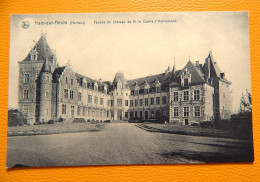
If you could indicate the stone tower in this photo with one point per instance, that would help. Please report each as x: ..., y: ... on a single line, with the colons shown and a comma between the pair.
x: 30, y: 69
x: 45, y: 85
x: 120, y: 97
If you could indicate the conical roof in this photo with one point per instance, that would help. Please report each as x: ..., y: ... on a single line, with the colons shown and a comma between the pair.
x: 46, y: 66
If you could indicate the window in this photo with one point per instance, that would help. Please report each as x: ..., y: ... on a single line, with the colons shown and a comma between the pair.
x: 146, y: 101
x: 108, y: 102
x: 96, y: 100
x: 84, y: 111
x: 46, y: 94
x: 79, y: 96
x: 48, y: 78
x: 186, y: 81
x: 141, y: 114
x: 176, y: 112
x: 175, y: 96
x: 101, y: 101
x: 131, y: 114
x: 157, y: 100
x: 66, y: 79
x: 152, y: 114
x: 112, y: 103
x: 126, y: 102
x: 46, y: 111
x: 63, y: 109
x: 136, y: 102
x: 224, y: 95
x: 141, y: 102
x: 126, y: 114
x: 152, y: 101
x: 119, y: 102
x: 158, y: 113
x: 72, y: 109
x: 71, y: 81
x: 79, y: 110
x: 186, y: 111
x: 26, y: 94
x: 25, y: 109
x: 164, y: 100
x: 186, y: 95
x: 197, y: 111
x: 131, y: 103
x: 196, y: 94
x: 126, y: 94
x: 89, y: 98
x: 71, y: 94
x: 66, y: 93
x: 158, y: 89
x: 26, y: 78
x: 164, y: 113
x: 136, y: 114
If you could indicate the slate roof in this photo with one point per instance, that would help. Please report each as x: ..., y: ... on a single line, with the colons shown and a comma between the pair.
x: 196, y: 75
x: 43, y: 50
x: 57, y: 72
x: 151, y: 80
x: 215, y: 65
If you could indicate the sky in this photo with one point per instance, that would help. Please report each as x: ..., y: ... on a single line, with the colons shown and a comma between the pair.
x: 139, y: 47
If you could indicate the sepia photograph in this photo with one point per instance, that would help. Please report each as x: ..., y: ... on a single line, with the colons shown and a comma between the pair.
x: 129, y: 88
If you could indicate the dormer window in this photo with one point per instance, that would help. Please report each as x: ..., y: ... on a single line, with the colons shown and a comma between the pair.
x: 186, y: 82
x: 136, y: 89
x: 146, y: 87
x: 84, y: 80
x: 119, y: 85
x: 157, y: 85
x: 96, y: 86
x: 33, y: 54
x: 185, y: 78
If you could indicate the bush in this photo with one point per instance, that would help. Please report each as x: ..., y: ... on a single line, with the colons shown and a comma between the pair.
x: 135, y: 120
x: 107, y: 121
x: 88, y: 120
x: 79, y: 120
x: 51, y: 121
x: 16, y: 118
x: 207, y: 124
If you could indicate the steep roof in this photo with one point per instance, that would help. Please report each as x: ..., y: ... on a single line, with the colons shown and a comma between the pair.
x: 196, y: 75
x: 43, y: 50
x: 151, y: 80
x: 214, y: 64
x: 120, y: 77
x: 57, y: 72
x: 90, y: 81
x: 46, y: 66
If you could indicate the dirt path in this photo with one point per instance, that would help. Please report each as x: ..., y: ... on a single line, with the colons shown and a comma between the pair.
x: 118, y: 143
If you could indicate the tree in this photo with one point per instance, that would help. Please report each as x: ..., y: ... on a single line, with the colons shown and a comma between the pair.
x: 245, y: 103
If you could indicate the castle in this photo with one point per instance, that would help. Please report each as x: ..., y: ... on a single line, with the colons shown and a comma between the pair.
x: 193, y: 94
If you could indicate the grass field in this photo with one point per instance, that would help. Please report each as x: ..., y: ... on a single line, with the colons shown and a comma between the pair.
x: 197, y: 131
x: 56, y: 128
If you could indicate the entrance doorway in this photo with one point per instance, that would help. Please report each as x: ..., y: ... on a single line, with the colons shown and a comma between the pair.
x: 146, y: 114
x: 119, y: 114
x: 186, y: 121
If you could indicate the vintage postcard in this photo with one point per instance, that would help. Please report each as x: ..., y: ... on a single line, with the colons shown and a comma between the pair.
x: 129, y: 88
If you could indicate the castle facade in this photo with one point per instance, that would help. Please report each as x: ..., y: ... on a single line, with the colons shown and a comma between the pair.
x: 193, y: 94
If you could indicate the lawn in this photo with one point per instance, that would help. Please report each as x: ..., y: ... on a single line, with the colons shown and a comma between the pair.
x: 196, y: 131
x: 56, y: 128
